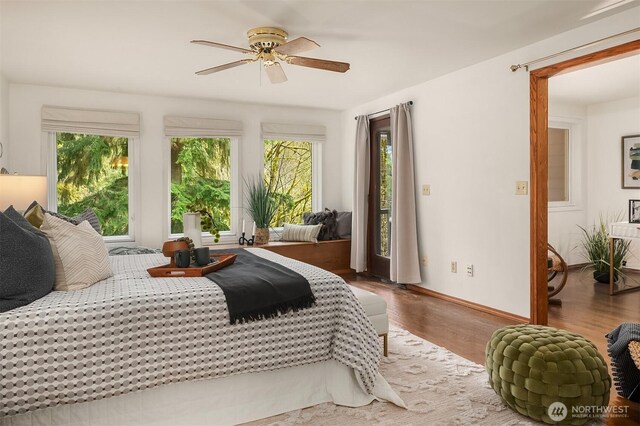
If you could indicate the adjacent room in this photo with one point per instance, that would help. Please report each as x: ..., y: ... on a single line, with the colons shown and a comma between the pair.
x: 319, y: 212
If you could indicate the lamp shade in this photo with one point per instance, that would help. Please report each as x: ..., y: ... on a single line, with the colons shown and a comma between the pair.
x: 20, y: 191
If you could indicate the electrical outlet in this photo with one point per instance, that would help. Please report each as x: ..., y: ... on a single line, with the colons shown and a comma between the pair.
x: 424, y: 260
x: 426, y: 189
x: 522, y: 187
x: 469, y: 270
x: 454, y: 266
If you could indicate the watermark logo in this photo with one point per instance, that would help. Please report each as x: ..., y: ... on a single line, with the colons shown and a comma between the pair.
x: 557, y: 411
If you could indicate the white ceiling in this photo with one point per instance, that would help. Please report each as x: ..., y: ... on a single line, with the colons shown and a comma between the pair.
x: 143, y: 46
x: 606, y: 82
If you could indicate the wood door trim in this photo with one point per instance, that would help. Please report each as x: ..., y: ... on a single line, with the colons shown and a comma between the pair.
x: 539, y: 167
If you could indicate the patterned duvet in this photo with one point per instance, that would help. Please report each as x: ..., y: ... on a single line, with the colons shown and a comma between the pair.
x: 132, y: 332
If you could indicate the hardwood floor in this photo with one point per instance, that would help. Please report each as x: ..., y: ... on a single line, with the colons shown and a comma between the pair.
x: 587, y: 309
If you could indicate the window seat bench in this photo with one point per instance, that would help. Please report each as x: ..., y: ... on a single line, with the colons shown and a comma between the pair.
x: 332, y: 255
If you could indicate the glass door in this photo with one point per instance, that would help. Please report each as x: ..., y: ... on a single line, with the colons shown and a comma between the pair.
x: 380, y: 214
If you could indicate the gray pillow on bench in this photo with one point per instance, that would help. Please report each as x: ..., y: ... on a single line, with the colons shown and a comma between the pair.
x: 27, y: 269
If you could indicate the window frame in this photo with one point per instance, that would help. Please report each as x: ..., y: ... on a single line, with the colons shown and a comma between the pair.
x: 573, y: 157
x: 133, y: 177
x: 316, y: 172
x: 226, y: 237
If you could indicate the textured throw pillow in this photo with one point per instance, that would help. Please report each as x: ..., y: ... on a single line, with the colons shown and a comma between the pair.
x: 344, y: 224
x: 80, y: 253
x: 301, y: 232
x: 89, y: 215
x: 34, y: 214
x: 327, y: 219
x: 26, y: 262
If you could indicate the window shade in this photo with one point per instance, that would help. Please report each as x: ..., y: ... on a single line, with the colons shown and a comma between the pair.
x: 293, y: 132
x: 94, y: 122
x: 191, y: 126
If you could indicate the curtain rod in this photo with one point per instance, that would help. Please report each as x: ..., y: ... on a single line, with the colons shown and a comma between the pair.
x: 382, y: 110
x: 515, y: 68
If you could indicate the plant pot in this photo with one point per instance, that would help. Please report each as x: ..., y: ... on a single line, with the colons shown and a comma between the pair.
x: 262, y: 236
x: 603, y: 276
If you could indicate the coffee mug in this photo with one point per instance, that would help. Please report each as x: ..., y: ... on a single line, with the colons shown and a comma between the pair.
x: 202, y: 256
x: 183, y: 258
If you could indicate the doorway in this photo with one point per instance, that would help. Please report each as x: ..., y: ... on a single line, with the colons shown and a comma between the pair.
x: 380, y: 214
x: 539, y: 167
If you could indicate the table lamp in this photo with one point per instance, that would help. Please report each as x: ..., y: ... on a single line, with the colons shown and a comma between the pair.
x: 20, y: 191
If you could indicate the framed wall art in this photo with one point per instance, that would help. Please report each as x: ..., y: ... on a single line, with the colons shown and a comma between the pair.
x: 634, y: 211
x: 631, y: 161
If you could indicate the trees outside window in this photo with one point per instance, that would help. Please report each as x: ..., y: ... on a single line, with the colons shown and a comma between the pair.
x: 93, y: 172
x: 201, y: 179
x: 288, y: 174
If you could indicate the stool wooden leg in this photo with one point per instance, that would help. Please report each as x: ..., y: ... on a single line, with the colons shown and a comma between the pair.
x: 385, y: 344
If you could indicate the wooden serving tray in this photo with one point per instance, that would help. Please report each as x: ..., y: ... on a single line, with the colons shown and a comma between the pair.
x: 219, y: 261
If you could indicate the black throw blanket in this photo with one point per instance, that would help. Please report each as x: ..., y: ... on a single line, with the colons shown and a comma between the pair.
x: 625, y: 371
x: 256, y: 288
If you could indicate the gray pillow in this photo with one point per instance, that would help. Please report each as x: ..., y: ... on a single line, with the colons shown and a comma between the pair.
x: 344, y: 224
x: 27, y: 270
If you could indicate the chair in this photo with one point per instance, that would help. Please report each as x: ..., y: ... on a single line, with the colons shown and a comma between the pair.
x: 556, y: 265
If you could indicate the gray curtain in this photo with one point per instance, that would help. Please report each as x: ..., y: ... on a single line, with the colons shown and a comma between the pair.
x: 405, y: 264
x: 360, y: 196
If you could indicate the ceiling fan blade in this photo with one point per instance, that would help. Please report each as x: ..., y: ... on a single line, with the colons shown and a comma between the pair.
x: 224, y: 67
x: 301, y: 44
x: 275, y: 73
x: 221, y: 46
x: 318, y: 63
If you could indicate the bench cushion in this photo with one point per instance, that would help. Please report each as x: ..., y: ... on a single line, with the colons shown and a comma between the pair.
x: 372, y: 303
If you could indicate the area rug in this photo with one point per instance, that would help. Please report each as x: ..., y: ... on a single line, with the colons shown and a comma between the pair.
x: 438, y: 386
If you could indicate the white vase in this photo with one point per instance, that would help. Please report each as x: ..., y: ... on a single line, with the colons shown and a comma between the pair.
x: 192, y: 228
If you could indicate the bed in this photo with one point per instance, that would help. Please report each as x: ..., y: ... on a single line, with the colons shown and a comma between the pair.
x: 139, y: 350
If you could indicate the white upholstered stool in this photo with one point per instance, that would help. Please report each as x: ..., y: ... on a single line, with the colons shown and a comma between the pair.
x: 376, y: 309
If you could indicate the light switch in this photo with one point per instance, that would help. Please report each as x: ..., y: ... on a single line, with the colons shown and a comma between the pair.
x: 522, y: 187
x: 426, y: 189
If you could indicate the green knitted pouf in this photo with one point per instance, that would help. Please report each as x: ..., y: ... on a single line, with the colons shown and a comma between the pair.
x: 532, y: 368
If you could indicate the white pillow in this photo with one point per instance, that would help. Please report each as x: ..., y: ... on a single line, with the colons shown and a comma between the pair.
x: 79, y: 252
x: 301, y: 232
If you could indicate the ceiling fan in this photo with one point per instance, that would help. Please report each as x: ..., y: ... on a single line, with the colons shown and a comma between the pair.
x: 270, y: 46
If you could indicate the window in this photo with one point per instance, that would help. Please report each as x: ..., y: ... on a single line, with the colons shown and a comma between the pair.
x: 92, y: 171
x: 292, y: 169
x: 201, y: 179
x: 91, y: 164
x: 288, y: 173
x: 558, y: 179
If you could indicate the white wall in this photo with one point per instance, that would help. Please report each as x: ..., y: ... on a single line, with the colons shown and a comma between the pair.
x: 607, y: 123
x: 4, y: 112
x: 604, y: 124
x: 4, y: 120
x: 27, y: 153
x: 564, y: 234
x: 471, y: 132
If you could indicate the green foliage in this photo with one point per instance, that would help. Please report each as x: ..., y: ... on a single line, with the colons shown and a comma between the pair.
x: 110, y: 204
x: 595, y: 246
x: 93, y: 173
x: 288, y: 176
x: 261, y: 203
x: 200, y: 181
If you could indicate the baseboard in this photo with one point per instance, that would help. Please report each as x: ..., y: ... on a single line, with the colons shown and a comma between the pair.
x: 467, y: 304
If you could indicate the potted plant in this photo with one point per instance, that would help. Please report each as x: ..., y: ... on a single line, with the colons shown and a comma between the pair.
x: 261, y: 206
x: 595, y: 249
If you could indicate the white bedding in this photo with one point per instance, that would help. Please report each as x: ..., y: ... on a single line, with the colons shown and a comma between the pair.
x: 132, y: 332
